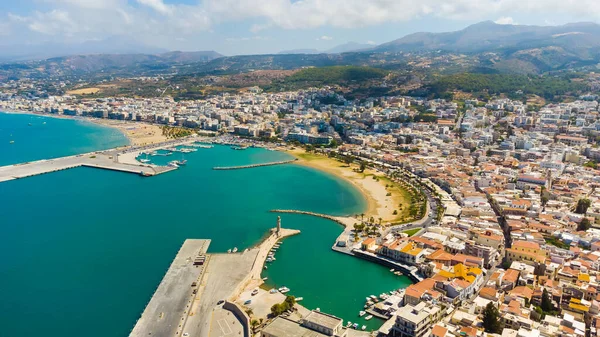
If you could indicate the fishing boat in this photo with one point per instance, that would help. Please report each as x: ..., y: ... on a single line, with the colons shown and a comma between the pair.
x: 361, y: 313
x: 368, y: 317
x: 234, y: 250
x: 363, y: 328
x: 284, y: 290
x: 373, y: 297
x: 349, y: 324
x: 229, y: 251
x: 269, y: 259
x: 355, y: 326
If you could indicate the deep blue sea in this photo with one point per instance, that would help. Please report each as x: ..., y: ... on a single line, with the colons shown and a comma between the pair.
x: 82, y: 250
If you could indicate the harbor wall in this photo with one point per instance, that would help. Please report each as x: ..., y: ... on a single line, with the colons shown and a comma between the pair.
x: 254, y: 165
x: 390, y: 264
x: 240, y: 314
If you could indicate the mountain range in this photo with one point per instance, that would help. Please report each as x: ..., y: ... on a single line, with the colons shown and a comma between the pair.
x: 484, y: 46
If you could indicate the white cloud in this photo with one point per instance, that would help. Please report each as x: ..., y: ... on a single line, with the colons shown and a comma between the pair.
x: 505, y: 20
x: 324, y: 38
x: 157, y: 5
x: 154, y: 20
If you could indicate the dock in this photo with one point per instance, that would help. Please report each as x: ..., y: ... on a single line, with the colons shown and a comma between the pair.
x: 166, y: 312
x: 121, y: 160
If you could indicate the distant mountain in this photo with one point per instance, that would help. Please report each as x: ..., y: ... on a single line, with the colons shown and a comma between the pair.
x: 349, y: 47
x: 489, y: 36
x: 299, y: 51
x: 112, y: 45
x: 520, y: 48
x: 343, y: 48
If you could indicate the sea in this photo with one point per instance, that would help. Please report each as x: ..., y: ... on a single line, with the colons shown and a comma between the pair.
x: 82, y: 250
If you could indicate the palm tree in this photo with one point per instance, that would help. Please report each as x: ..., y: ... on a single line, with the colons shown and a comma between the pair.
x: 362, y: 215
x: 380, y: 222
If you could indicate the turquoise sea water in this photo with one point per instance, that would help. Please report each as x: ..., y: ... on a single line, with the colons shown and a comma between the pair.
x: 82, y: 250
x: 49, y: 137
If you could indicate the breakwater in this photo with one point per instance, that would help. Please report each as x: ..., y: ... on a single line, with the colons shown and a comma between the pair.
x: 254, y: 165
x: 344, y: 221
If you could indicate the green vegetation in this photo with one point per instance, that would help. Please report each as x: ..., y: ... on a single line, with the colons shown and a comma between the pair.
x: 582, y: 206
x: 412, y: 232
x: 176, y: 132
x: 484, y: 85
x: 546, y: 307
x: 280, y: 308
x: 584, y: 225
x: 334, y: 75
x: 591, y: 164
x: 556, y: 242
x: 491, y: 319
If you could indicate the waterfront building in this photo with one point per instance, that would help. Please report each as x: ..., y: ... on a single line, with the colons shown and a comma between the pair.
x: 415, y: 321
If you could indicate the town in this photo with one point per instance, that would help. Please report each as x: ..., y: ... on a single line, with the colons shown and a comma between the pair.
x: 511, y: 245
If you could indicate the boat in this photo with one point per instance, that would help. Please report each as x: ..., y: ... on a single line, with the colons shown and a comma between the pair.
x: 44, y: 123
x: 181, y: 162
x: 363, y: 328
x: 265, y: 278
x: 299, y: 299
x: 368, y: 317
x: 145, y: 160
x: 234, y: 250
x: 373, y: 297
x: 284, y: 290
x: 355, y: 326
x: 273, y: 291
x: 228, y: 251
x: 173, y: 163
x: 269, y: 259
x: 145, y: 174
x: 361, y: 313
x: 12, y: 142
x: 349, y: 324
x: 254, y: 292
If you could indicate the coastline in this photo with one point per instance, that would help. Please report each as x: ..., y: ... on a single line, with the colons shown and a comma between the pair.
x: 374, y: 191
x: 137, y: 133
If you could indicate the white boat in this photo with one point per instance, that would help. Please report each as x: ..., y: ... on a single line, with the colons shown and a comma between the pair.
x: 269, y: 259
x: 265, y: 278
x: 173, y: 164
x: 392, y: 270
x: 299, y: 299
x: 361, y: 313
x: 368, y: 317
x: 373, y: 297
x: 234, y: 250
x: 349, y: 324
x: 284, y: 290
x: 228, y: 251
x: 363, y: 328
x: 144, y: 161
x: 355, y: 326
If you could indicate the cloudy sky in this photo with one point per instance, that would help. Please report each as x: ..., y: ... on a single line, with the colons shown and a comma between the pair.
x: 265, y: 26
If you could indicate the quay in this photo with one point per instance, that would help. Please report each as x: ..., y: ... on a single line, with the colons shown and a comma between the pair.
x: 254, y: 165
x: 188, y: 299
x: 171, y: 302
x: 121, y: 159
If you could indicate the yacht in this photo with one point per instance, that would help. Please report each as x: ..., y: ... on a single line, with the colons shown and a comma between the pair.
x: 368, y: 317
x: 361, y: 313
x: 173, y: 163
x: 284, y: 290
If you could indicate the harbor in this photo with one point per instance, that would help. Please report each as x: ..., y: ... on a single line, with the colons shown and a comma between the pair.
x: 121, y: 160
x: 199, y: 290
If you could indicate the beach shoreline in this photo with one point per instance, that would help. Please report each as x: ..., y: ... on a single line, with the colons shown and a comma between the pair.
x: 379, y: 203
x: 148, y: 134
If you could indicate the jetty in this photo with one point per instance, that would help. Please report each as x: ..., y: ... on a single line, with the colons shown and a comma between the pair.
x: 196, y: 295
x: 347, y: 222
x: 121, y: 160
x: 255, y: 165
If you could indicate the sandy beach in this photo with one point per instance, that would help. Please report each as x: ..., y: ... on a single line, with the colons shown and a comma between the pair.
x: 380, y: 204
x: 138, y: 133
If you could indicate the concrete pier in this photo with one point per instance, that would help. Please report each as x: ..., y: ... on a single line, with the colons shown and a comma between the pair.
x: 168, y: 309
x: 254, y: 165
x: 122, y: 160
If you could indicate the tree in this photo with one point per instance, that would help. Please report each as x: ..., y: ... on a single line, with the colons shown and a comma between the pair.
x: 546, y: 304
x: 584, y: 225
x: 254, y: 323
x: 363, y: 165
x: 348, y: 160
x: 582, y: 206
x: 491, y: 319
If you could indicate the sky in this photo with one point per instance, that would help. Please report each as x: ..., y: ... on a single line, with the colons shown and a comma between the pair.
x: 235, y: 27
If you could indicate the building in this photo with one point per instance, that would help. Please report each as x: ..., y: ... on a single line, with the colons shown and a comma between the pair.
x: 315, y: 324
x: 307, y: 138
x: 415, y: 321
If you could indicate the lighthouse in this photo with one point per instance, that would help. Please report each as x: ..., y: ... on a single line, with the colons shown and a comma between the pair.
x: 278, y: 225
